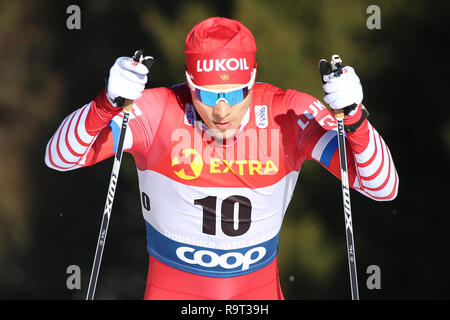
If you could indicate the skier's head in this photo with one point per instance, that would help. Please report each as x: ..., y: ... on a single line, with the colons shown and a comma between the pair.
x: 220, y: 71
x: 220, y: 51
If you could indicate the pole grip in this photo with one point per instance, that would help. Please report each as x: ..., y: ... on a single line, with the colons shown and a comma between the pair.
x: 138, y: 56
x: 335, y: 65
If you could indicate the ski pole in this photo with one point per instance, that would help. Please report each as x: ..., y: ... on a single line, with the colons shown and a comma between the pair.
x: 127, y: 107
x: 326, y: 68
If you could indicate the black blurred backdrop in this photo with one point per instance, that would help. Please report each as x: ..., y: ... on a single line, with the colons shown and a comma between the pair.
x: 50, y: 220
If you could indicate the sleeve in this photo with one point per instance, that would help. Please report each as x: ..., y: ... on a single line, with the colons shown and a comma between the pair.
x: 90, y: 134
x: 371, y: 169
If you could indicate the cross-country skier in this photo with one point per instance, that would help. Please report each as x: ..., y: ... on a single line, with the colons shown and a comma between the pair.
x: 218, y: 159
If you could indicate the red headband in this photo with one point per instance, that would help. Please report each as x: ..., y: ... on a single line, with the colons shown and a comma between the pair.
x: 220, y: 51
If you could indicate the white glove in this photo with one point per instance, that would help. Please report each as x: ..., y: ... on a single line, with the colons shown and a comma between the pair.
x: 342, y: 90
x: 127, y: 79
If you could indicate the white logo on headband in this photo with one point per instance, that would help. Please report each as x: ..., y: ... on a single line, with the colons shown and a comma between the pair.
x: 231, y: 64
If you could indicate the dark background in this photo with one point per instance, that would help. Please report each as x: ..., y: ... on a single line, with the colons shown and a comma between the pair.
x: 50, y: 220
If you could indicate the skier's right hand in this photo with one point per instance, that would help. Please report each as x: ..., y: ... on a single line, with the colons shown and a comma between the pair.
x: 127, y: 79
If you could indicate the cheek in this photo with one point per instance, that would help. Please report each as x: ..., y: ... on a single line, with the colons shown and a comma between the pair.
x: 204, y: 112
x: 241, y: 108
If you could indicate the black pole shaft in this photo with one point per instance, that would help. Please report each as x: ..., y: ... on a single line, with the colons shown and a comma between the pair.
x: 108, y: 208
x: 326, y: 68
x: 347, y: 212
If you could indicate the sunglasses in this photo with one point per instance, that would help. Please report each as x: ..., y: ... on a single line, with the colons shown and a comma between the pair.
x: 211, y: 97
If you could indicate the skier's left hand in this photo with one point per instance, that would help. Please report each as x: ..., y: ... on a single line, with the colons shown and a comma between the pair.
x: 342, y: 90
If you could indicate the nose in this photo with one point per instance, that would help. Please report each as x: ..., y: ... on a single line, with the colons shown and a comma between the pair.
x: 221, y: 110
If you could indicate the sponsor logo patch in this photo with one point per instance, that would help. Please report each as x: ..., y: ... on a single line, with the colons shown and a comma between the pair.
x: 261, y: 117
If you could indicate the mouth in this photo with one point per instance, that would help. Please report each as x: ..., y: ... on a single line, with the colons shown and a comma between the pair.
x: 222, y: 125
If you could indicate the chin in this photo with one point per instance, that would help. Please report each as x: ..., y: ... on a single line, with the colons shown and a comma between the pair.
x: 223, y: 135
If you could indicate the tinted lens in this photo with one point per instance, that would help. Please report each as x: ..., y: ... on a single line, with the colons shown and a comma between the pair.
x: 234, y: 97
x: 206, y: 97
